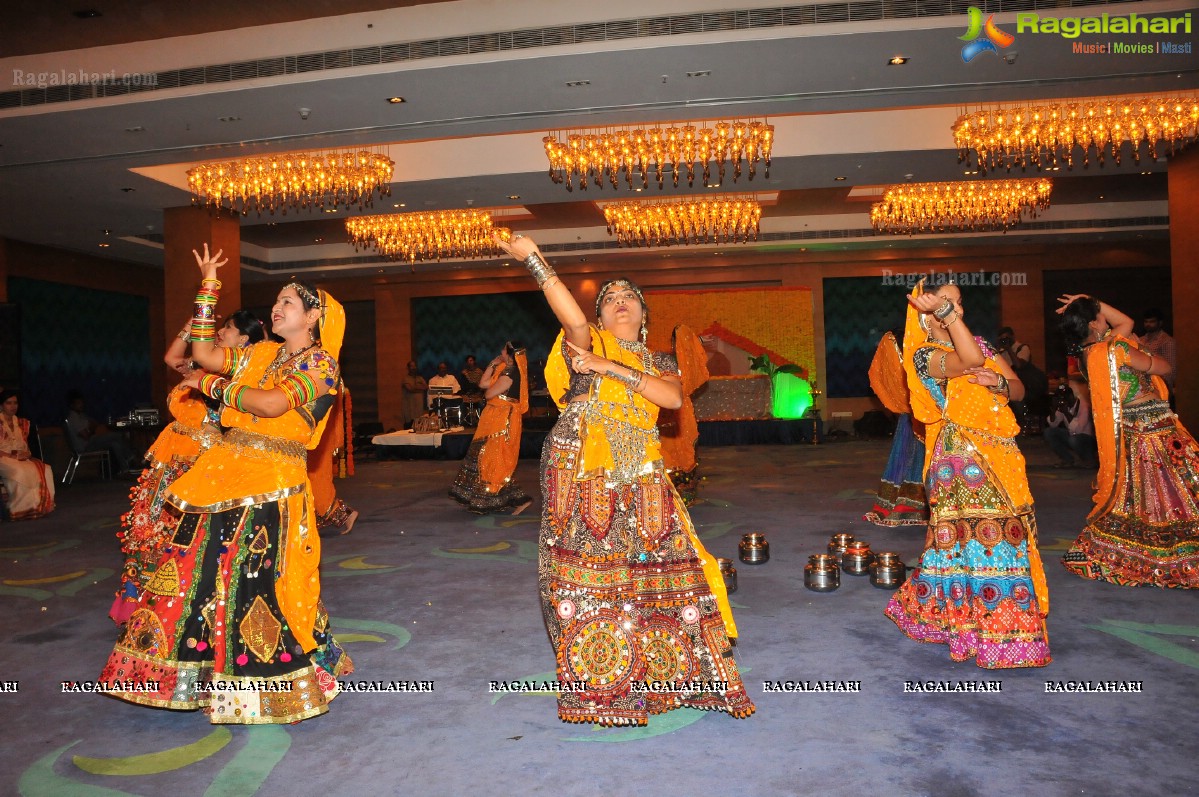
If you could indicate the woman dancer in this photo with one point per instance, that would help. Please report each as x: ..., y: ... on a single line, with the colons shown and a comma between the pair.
x: 900, y: 500
x: 29, y: 481
x: 196, y: 426
x: 628, y: 594
x: 678, y: 429
x: 484, y: 483
x: 980, y: 588
x: 232, y: 622
x: 1144, y: 529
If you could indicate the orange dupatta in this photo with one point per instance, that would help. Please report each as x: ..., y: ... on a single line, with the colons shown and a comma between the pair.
x: 502, y: 430
x: 1103, y: 362
x: 678, y: 429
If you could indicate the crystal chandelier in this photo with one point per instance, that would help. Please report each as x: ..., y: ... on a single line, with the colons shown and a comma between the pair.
x: 1046, y: 135
x: 600, y: 155
x: 684, y: 221
x: 913, y: 208
x: 297, y: 180
x: 427, y: 236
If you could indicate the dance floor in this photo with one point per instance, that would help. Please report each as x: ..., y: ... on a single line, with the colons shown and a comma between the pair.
x: 424, y: 591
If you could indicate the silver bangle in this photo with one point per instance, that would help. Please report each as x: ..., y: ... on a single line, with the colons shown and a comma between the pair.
x: 630, y: 380
x: 540, y: 269
x: 943, y: 312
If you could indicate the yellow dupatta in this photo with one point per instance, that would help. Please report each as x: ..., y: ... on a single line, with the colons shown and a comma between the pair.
x: 1107, y: 403
x: 630, y: 417
x: 983, y: 419
x: 612, y: 412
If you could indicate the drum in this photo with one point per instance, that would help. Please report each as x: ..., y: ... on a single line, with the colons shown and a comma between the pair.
x: 449, y: 410
x: 472, y: 410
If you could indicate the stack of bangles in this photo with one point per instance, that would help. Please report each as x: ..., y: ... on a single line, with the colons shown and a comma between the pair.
x: 1001, y: 387
x: 203, y: 327
x: 944, y: 312
x: 220, y: 388
x: 541, y: 271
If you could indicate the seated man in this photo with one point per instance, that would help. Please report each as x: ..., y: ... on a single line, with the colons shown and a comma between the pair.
x: 84, y: 435
x: 443, y: 379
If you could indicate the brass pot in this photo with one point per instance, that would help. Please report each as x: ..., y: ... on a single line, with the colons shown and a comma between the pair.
x: 857, y: 558
x: 888, y: 571
x: 821, y: 574
x: 838, y: 544
x: 753, y: 548
x: 729, y: 574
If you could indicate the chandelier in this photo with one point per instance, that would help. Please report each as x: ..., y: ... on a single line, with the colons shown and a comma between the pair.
x: 913, y: 208
x: 1045, y: 135
x: 427, y: 236
x: 297, y: 180
x: 600, y: 155
x: 685, y: 221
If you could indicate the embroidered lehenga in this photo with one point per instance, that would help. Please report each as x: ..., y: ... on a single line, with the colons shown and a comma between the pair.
x: 900, y: 500
x: 1144, y: 528
x: 484, y: 482
x: 980, y: 587
x: 235, y: 597
x: 145, y: 528
x: 678, y: 429
x: 29, y: 482
x: 629, y: 595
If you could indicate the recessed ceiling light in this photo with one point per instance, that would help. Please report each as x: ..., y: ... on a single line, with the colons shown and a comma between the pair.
x: 574, y: 84
x: 128, y: 190
x: 514, y: 196
x: 700, y: 73
x: 898, y: 60
x: 394, y: 100
x: 228, y: 118
x: 104, y: 246
x: 638, y: 189
x: 87, y: 13
x: 839, y: 179
x: 400, y: 205
x: 317, y: 240
x: 135, y: 129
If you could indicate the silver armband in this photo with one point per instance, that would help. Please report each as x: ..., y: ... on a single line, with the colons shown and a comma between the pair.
x: 540, y: 269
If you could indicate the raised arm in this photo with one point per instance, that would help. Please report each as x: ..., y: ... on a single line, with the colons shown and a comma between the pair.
x: 203, y: 326
x: 966, y: 354
x: 566, y: 309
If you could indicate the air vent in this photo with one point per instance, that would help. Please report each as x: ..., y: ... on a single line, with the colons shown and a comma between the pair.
x: 616, y: 30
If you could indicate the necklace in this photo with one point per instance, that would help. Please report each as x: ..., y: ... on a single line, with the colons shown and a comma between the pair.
x: 281, y: 361
x: 639, y: 348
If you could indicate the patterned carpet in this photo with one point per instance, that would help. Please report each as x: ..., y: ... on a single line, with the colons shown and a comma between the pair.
x: 424, y: 591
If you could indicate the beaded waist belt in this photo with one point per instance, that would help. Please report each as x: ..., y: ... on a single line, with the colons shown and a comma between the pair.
x: 255, y: 444
x: 1152, y: 410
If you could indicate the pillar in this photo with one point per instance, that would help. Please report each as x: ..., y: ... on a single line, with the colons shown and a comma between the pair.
x: 1184, y: 279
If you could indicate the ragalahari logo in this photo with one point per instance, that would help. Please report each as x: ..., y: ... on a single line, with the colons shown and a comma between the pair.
x: 980, y: 37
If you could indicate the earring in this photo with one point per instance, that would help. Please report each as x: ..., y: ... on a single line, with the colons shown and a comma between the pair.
x: 311, y: 337
x: 644, y: 334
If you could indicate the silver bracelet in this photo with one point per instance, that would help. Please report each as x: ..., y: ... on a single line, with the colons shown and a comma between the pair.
x: 630, y: 380
x: 540, y: 269
x: 943, y: 312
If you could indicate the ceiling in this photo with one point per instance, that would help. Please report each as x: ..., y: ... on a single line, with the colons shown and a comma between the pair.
x: 484, y: 81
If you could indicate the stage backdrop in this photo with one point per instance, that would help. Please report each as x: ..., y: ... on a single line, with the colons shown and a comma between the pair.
x: 451, y: 327
x: 858, y: 310
x: 97, y: 342
x: 774, y: 321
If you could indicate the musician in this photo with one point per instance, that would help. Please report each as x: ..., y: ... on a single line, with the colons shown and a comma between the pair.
x: 443, y: 379
x: 471, y: 375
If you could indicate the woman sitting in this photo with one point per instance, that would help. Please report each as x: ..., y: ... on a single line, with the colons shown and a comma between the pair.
x: 29, y: 482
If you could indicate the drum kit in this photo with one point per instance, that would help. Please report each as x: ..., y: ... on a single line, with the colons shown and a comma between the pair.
x: 456, y: 410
